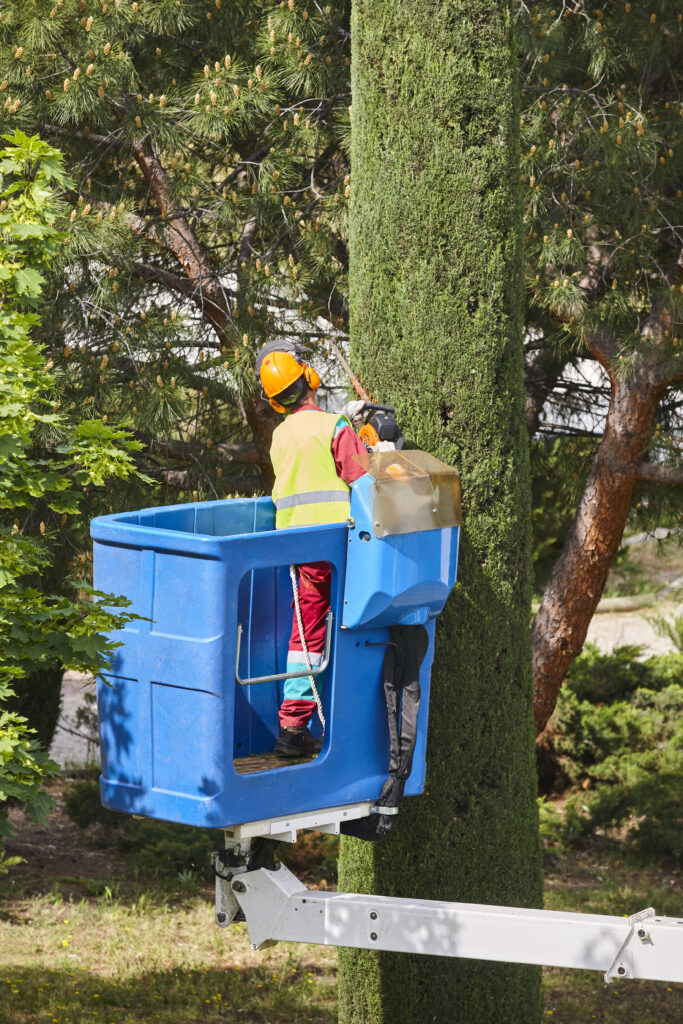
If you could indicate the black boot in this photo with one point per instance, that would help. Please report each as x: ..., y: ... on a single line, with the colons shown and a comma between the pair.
x: 295, y: 740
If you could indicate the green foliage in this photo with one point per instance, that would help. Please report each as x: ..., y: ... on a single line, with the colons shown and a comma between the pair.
x: 247, y: 116
x: 23, y: 767
x: 617, y: 733
x: 559, y: 468
x: 604, y: 678
x: 601, y: 130
x: 672, y: 629
x: 600, y: 121
x: 39, y: 630
x: 241, y: 109
x: 154, y: 849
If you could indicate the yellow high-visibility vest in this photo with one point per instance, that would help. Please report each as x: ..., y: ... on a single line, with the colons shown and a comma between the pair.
x: 307, y: 490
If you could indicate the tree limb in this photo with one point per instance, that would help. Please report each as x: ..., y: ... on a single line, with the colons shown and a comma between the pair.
x: 186, y: 480
x: 246, y: 244
x: 542, y: 369
x: 182, y: 285
x: 178, y: 236
x: 228, y: 451
x: 658, y: 473
x: 580, y: 573
x: 605, y: 349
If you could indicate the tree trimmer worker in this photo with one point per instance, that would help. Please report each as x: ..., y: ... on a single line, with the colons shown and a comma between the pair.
x: 313, y: 457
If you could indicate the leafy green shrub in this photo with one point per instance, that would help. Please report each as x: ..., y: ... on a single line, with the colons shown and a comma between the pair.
x: 83, y: 805
x: 600, y: 677
x: 641, y: 793
x: 48, y: 459
x: 159, y: 849
x: 154, y: 849
x: 617, y: 743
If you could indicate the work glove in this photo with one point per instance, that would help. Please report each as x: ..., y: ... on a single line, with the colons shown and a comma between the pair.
x: 354, y: 411
x: 384, y: 446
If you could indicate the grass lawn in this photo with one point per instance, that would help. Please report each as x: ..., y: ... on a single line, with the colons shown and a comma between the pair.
x: 114, y: 960
x: 83, y: 940
x: 599, y: 882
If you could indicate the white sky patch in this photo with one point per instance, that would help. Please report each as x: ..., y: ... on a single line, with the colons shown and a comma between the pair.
x: 579, y: 401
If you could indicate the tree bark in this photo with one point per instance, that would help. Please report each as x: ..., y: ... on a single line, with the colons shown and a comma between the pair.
x: 580, y: 573
x: 661, y: 474
x: 436, y: 305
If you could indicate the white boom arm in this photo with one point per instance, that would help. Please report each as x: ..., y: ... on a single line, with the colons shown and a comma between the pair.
x: 277, y: 906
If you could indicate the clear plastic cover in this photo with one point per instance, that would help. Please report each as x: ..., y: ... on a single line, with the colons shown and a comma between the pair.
x: 414, y: 491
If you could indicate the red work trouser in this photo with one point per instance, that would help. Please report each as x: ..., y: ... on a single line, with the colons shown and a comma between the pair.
x: 314, y: 601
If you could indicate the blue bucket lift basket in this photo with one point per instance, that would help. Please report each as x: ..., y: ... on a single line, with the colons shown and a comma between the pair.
x: 177, y: 728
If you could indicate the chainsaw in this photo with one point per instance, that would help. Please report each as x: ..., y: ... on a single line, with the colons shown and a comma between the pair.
x: 379, y: 421
x: 379, y: 424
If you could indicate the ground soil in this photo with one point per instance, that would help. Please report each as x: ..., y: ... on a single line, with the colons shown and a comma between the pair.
x: 59, y: 851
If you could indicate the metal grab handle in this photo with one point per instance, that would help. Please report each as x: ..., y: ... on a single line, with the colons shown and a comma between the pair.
x: 315, y: 671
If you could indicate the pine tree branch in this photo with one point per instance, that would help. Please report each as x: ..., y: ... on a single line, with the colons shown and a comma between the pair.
x: 138, y: 225
x: 210, y: 297
x: 246, y: 243
x: 177, y: 234
x: 176, y: 283
x: 186, y: 480
x: 112, y: 140
x: 604, y: 349
x: 657, y: 473
x: 228, y: 451
x: 255, y: 157
x: 247, y: 451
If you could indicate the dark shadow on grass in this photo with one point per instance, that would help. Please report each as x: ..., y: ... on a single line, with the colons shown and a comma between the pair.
x: 253, y: 995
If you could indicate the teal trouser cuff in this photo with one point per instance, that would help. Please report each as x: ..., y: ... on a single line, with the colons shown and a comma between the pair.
x: 300, y: 688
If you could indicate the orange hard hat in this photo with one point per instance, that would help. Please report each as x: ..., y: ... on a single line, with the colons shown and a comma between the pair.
x: 278, y: 371
x: 285, y: 377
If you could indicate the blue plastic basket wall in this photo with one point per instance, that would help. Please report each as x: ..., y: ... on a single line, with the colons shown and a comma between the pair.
x: 176, y: 727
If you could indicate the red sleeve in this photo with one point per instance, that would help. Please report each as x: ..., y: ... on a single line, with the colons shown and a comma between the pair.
x: 346, y: 444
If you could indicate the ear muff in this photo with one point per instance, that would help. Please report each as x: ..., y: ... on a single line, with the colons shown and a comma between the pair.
x: 312, y: 377
x: 289, y: 398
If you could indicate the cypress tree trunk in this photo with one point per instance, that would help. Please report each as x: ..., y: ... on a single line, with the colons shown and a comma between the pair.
x: 436, y: 299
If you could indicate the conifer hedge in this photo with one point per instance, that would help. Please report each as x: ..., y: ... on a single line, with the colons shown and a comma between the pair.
x: 436, y: 305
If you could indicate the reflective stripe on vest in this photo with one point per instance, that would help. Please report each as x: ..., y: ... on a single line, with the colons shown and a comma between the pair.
x: 307, y: 489
x: 310, y: 498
